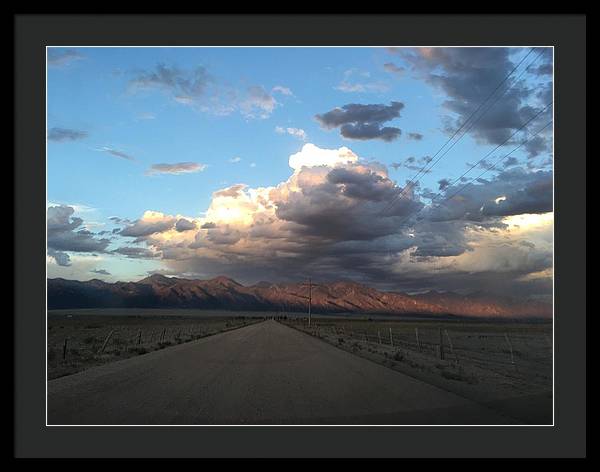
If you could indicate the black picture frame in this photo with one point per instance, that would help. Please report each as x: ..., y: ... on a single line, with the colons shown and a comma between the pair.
x: 567, y: 33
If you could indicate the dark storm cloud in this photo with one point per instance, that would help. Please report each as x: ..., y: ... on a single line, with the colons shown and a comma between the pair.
x: 329, y: 220
x: 468, y: 76
x: 142, y: 228
x: 512, y: 192
x: 65, y: 134
x: 61, y: 258
x: 64, y: 236
x: 184, y: 225
x: 443, y: 183
x: 100, y: 271
x: 363, y: 122
x: 415, y: 136
x: 344, y: 206
x: 135, y: 252
x: 510, y: 162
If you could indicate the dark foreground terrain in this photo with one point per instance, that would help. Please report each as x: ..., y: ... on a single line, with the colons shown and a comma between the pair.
x: 264, y: 373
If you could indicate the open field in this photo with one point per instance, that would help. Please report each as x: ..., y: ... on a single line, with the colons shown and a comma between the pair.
x: 488, y: 362
x: 127, y: 333
x: 504, y: 366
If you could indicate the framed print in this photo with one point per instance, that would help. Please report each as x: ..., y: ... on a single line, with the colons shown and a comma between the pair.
x: 290, y: 238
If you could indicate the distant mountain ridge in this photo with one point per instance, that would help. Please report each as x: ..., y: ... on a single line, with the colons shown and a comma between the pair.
x: 223, y: 293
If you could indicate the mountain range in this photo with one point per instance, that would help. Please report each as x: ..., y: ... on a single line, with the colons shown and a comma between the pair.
x: 222, y: 293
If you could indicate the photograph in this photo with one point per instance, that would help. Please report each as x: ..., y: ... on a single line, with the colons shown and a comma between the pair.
x: 299, y: 235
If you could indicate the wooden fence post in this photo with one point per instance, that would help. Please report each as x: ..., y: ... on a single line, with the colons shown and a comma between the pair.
x: 512, y: 359
x: 417, y: 336
x: 451, y: 347
x: 441, y: 345
x: 65, y: 349
x: 106, y: 341
x: 391, y: 338
x: 139, y: 341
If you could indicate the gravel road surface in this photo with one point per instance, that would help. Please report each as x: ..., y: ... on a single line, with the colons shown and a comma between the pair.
x: 265, y: 373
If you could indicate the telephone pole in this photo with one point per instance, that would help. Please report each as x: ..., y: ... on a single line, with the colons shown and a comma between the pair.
x: 309, y: 300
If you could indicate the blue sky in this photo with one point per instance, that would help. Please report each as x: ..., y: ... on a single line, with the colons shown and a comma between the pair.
x: 237, y: 114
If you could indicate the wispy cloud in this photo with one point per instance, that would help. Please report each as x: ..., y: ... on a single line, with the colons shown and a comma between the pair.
x: 282, y: 90
x: 235, y: 160
x: 65, y: 134
x: 394, y: 69
x: 349, y: 85
x: 198, y: 89
x: 296, y: 132
x: 415, y: 136
x: 257, y: 103
x: 63, y: 57
x: 176, y: 168
x: 116, y: 153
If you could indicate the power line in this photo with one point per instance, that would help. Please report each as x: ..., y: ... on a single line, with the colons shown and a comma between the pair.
x: 425, y: 168
x: 488, y: 108
x: 487, y: 169
x: 496, y: 162
x: 500, y: 145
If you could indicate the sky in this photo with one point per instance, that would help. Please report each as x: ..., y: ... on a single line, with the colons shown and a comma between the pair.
x: 408, y: 169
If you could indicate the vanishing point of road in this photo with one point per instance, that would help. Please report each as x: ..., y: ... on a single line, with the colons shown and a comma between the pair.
x: 265, y: 373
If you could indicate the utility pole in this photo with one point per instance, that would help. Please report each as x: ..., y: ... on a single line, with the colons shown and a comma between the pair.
x: 309, y: 299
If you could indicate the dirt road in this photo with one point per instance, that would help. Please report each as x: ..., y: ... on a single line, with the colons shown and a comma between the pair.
x: 265, y: 373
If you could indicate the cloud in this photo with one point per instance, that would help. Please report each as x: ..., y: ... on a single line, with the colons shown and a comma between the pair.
x: 467, y: 76
x: 327, y: 221
x: 135, y: 252
x: 415, y: 136
x: 200, y: 90
x: 512, y: 192
x: 443, y: 184
x: 65, y: 134
x: 100, y: 271
x: 363, y: 122
x: 65, y: 234
x: 415, y: 164
x: 62, y: 57
x: 282, y: 90
x: 61, y: 258
x: 184, y: 86
x: 184, y: 225
x: 312, y: 156
x: 394, y: 69
x: 235, y: 160
x: 116, y: 153
x: 296, y: 132
x: 151, y: 222
x: 257, y: 103
x: 350, y: 86
x: 176, y: 168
